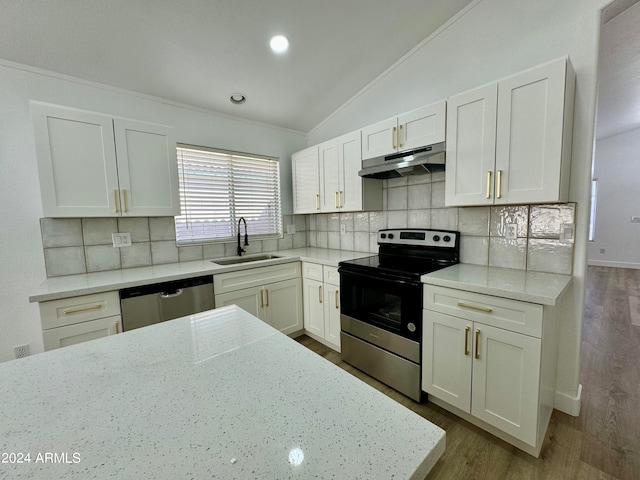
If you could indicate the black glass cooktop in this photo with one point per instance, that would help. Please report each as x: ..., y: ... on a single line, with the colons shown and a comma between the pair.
x: 395, y: 265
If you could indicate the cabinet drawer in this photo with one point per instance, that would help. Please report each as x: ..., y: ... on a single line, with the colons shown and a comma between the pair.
x: 513, y: 315
x: 312, y: 271
x: 254, y: 277
x: 81, y: 332
x: 68, y: 311
x: 331, y: 275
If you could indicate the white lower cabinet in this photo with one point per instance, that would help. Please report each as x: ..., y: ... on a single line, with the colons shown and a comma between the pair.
x: 273, y: 294
x: 321, y: 286
x: 477, y: 362
x: 69, y: 321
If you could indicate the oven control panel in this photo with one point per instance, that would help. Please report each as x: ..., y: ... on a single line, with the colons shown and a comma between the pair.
x: 422, y: 237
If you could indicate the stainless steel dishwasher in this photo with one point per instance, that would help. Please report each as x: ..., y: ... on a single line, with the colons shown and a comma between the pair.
x: 149, y: 304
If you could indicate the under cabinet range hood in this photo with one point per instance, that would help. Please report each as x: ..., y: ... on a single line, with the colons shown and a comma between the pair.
x: 428, y: 159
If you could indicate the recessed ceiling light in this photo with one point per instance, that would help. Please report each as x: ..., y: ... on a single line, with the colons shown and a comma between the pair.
x: 238, y: 98
x: 279, y: 43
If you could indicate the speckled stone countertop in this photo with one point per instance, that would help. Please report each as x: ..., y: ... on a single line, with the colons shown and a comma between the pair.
x: 218, y: 395
x: 534, y: 287
x: 87, y: 283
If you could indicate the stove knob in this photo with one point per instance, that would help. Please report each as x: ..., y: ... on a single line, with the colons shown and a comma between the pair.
x: 390, y: 235
x: 411, y: 327
x: 383, y: 235
x: 447, y: 238
x: 436, y: 238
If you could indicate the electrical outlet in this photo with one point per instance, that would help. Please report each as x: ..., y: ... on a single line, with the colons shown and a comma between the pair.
x: 121, y: 239
x: 602, y: 250
x: 21, y: 351
x: 511, y: 232
x: 343, y: 229
x: 635, y: 219
x: 567, y: 232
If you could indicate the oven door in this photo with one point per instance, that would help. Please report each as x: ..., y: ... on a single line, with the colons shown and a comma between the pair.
x: 390, y: 303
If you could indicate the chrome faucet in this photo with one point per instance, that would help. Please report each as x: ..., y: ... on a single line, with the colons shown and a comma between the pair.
x: 246, y: 237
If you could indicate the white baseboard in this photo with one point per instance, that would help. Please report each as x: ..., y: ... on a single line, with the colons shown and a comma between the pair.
x: 567, y: 403
x: 602, y: 263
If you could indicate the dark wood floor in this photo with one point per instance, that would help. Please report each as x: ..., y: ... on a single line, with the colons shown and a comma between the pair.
x: 603, y: 443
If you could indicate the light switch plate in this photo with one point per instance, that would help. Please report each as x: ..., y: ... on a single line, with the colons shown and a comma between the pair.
x: 343, y: 229
x: 635, y: 219
x: 511, y: 233
x: 121, y: 239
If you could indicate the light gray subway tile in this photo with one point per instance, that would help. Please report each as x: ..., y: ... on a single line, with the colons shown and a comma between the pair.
x: 322, y: 222
x: 162, y: 228
x: 285, y: 243
x: 418, y: 179
x: 551, y: 256
x: 508, y: 253
x: 231, y: 249
x: 311, y: 222
x: 397, y: 182
x: 437, y: 195
x: 373, y: 243
x: 346, y: 219
x: 419, y: 218
x: 164, y: 252
x: 312, y: 238
x: 347, y: 241
x: 385, y: 199
x: 397, y: 198
x: 438, y: 177
x: 300, y: 239
x: 64, y: 261
x: 98, y: 231
x: 190, y: 253
x: 270, y: 245
x: 361, y: 222
x: 321, y: 239
x: 137, y: 227
x: 102, y: 257
x: 419, y: 196
x: 397, y: 219
x: 333, y: 222
x: 287, y: 220
x: 361, y: 241
x: 255, y: 246
x: 300, y: 221
x: 444, y: 218
x: 137, y: 255
x: 546, y: 220
x: 377, y: 221
x: 213, y: 250
x: 61, y: 232
x: 333, y: 240
x: 503, y: 215
x: 474, y: 250
x: 474, y: 221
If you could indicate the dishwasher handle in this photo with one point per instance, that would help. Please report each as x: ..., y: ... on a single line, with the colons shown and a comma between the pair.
x: 175, y: 293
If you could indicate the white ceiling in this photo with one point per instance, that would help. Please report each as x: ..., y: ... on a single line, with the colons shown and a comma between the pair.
x: 198, y: 52
x: 619, y: 74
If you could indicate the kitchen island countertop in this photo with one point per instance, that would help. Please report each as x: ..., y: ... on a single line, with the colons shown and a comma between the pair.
x: 218, y: 394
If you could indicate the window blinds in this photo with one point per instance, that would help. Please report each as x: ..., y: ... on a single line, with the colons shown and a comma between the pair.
x: 218, y: 187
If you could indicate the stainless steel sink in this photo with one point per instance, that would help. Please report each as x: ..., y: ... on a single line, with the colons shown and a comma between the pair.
x: 248, y: 258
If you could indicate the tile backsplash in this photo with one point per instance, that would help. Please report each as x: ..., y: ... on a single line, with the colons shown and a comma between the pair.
x: 80, y: 245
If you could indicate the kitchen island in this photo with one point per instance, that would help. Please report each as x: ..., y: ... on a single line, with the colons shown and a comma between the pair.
x: 215, y: 395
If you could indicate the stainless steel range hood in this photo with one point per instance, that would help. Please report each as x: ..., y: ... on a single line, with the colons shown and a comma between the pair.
x: 428, y: 159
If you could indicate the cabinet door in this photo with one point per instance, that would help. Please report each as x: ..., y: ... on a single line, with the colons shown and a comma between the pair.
x: 471, y: 143
x: 447, y: 359
x: 304, y: 170
x: 283, y: 304
x: 332, y: 315
x: 506, y: 379
x: 313, y: 298
x: 81, y: 332
x: 147, y: 169
x: 249, y: 299
x: 380, y: 139
x: 423, y: 126
x: 350, y: 163
x: 328, y: 180
x: 529, y: 147
x: 76, y: 162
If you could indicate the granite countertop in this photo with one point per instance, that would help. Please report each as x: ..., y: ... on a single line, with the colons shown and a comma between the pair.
x: 534, y: 287
x: 87, y: 283
x: 218, y: 394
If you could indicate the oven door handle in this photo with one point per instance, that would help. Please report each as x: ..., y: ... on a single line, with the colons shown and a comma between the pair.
x: 380, y: 276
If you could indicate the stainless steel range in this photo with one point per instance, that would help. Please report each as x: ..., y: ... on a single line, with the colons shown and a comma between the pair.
x: 381, y: 304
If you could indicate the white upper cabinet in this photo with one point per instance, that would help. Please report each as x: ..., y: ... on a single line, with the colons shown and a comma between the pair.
x: 329, y: 177
x: 306, y: 187
x: 419, y: 127
x: 510, y: 142
x: 91, y: 165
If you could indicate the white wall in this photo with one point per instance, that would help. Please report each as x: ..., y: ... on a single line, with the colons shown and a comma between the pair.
x: 21, y: 258
x: 489, y: 40
x: 617, y: 168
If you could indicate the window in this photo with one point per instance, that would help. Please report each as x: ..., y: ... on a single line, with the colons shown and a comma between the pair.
x: 217, y: 188
x: 592, y: 216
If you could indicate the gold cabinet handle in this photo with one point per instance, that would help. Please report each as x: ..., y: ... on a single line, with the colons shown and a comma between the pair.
x: 117, y: 327
x: 71, y: 311
x: 466, y: 340
x: 267, y: 292
x: 489, y: 184
x: 124, y: 201
x: 116, y: 200
x: 400, y: 137
x: 474, y: 307
x: 261, y: 298
x: 335, y: 199
x: 317, y: 201
x: 337, y: 299
x: 477, y: 342
x: 340, y: 205
x: 393, y: 138
x: 320, y: 294
x: 499, y: 186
